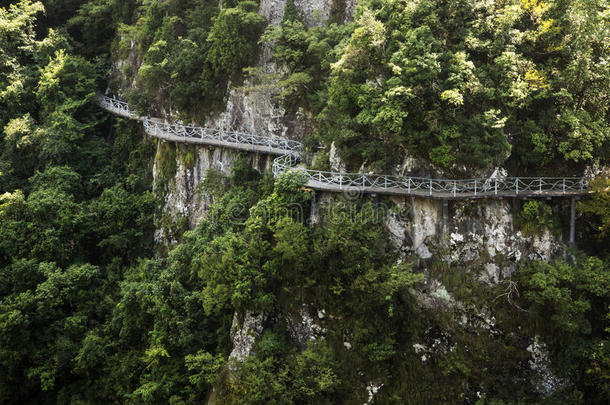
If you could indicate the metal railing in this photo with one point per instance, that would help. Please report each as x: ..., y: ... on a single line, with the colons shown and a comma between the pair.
x: 168, y: 131
x: 339, y: 181
x: 160, y: 129
x: 441, y: 188
x: 117, y: 107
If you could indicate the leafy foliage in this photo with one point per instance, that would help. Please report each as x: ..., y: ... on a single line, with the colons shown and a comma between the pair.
x: 536, y: 216
x: 246, y: 263
x: 463, y: 84
x: 569, y: 303
x: 598, y: 208
x: 307, y: 54
x: 190, y: 52
x: 75, y: 207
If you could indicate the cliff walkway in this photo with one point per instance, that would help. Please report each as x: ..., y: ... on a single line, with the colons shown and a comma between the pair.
x: 288, y: 157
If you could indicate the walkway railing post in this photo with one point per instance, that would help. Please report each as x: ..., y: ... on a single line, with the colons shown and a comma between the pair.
x: 573, y: 221
x: 475, y: 188
x: 409, y: 185
x: 496, y: 186
x: 385, y: 182
x: 517, y: 185
x: 540, y: 185
x: 430, y: 187
x: 454, y: 188
x: 445, y: 215
x: 564, y: 186
x: 340, y: 181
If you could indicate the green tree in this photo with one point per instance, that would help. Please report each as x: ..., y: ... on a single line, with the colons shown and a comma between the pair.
x: 598, y: 209
x: 569, y: 306
x: 232, y: 45
x: 463, y: 84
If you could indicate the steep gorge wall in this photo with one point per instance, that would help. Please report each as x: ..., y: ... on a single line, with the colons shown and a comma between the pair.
x: 252, y: 107
x: 185, y: 199
x: 480, y: 236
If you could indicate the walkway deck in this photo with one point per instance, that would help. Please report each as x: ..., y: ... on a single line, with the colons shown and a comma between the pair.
x: 288, y: 157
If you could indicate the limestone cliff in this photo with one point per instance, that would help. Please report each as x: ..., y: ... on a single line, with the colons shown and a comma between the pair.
x: 184, y: 199
x: 479, y: 236
x: 252, y: 107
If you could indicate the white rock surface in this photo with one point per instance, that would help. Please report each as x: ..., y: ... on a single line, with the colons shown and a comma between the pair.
x: 498, y: 227
x: 372, y: 389
x: 244, y: 335
x: 397, y: 228
x: 427, y: 218
x: 130, y: 62
x: 185, y: 199
x: 548, y: 382
x: 304, y: 328
x: 350, y: 9
x: 544, y: 247
x: 272, y: 10
x: 435, y: 295
x: 254, y: 108
x: 491, y: 274
x: 336, y: 164
x: 315, y: 12
x: 596, y: 170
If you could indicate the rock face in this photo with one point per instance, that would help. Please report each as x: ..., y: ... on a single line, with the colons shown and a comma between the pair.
x: 272, y: 10
x: 425, y: 225
x: 303, y: 328
x: 372, y: 389
x: 350, y: 9
x: 540, y: 363
x: 119, y: 65
x: 476, y: 233
x: 185, y: 198
x: 244, y: 335
x: 251, y: 107
x: 480, y: 236
x: 315, y: 12
x: 336, y: 164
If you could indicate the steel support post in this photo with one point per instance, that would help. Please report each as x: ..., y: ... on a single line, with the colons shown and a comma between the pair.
x: 573, y: 221
x: 445, y: 216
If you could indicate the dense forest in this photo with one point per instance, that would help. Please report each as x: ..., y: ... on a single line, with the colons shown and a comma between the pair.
x: 94, y: 309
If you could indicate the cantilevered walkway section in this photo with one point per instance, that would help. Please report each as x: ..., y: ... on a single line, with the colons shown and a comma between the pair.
x: 288, y: 152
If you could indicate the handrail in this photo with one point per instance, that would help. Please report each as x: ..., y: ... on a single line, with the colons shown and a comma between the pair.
x: 289, y: 150
x: 160, y: 129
